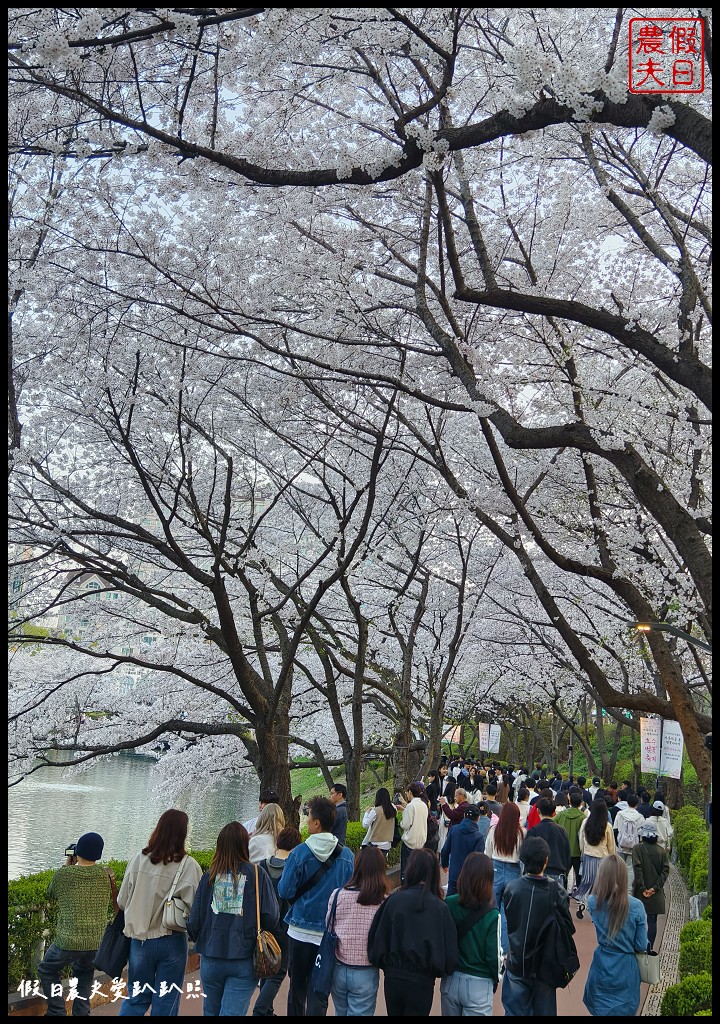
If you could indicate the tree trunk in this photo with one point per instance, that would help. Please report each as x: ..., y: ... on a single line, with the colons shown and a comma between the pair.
x: 272, y: 766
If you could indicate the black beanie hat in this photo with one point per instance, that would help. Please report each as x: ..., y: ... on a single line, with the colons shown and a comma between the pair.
x: 90, y: 846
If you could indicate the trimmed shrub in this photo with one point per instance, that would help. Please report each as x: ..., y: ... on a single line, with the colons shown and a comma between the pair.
x: 695, y: 930
x: 687, y: 998
x: 703, y: 1013
x: 707, y: 913
x: 699, y: 864
x: 695, y: 956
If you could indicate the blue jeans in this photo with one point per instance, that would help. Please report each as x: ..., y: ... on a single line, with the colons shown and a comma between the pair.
x: 354, y: 990
x: 228, y: 985
x: 155, y: 966
x: 525, y: 998
x: 504, y: 872
x: 49, y: 972
x: 463, y: 995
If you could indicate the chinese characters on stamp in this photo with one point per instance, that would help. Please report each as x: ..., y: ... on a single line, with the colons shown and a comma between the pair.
x: 666, y: 55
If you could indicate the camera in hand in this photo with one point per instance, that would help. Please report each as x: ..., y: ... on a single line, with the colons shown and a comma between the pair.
x: 397, y: 799
x: 70, y: 849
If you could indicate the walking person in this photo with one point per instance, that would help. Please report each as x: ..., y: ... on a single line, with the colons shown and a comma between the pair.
x: 338, y: 796
x: 665, y: 830
x: 651, y: 867
x: 84, y: 892
x: 612, y: 988
x: 559, y: 862
x: 379, y: 821
x: 414, y: 824
x: 268, y: 825
x: 432, y: 790
x: 445, y: 800
x: 288, y: 839
x: 413, y: 939
x: 462, y: 840
x: 626, y: 827
x: 523, y: 804
x: 502, y: 845
x: 312, y: 871
x: 223, y: 922
x: 158, y: 956
x: 354, y: 982
x: 570, y: 820
x: 468, y: 991
x: 529, y: 901
x: 596, y: 841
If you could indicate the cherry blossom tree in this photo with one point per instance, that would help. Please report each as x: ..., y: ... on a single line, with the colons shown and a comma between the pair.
x: 462, y: 215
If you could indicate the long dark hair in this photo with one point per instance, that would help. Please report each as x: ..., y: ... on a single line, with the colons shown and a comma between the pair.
x: 423, y: 869
x: 231, y: 850
x: 475, y: 882
x: 369, y: 876
x: 382, y: 799
x: 449, y: 793
x: 167, y: 842
x: 508, y: 834
x: 596, y: 823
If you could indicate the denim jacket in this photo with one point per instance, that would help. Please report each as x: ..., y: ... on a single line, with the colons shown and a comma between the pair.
x: 310, y: 910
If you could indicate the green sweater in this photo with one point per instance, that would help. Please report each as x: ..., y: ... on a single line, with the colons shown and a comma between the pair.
x: 83, y: 896
x: 480, y: 953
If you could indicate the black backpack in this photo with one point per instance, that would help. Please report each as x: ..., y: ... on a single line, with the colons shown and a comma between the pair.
x: 554, y: 957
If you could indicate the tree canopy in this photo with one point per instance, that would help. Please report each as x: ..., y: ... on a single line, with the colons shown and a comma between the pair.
x: 364, y: 355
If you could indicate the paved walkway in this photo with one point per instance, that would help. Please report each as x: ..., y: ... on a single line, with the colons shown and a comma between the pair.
x: 569, y: 1000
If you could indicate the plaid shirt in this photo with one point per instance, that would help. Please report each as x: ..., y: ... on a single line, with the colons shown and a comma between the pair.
x: 352, y: 926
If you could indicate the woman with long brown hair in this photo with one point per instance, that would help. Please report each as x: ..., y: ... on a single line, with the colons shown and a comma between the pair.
x: 468, y: 991
x: 502, y: 845
x: 596, y: 841
x: 612, y: 988
x: 354, y: 982
x: 224, y: 924
x: 413, y: 938
x: 157, y: 954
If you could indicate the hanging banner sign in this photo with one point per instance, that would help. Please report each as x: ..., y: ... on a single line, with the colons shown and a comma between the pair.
x: 671, y: 750
x: 454, y: 734
x: 661, y: 747
x: 489, y: 738
x: 650, y: 729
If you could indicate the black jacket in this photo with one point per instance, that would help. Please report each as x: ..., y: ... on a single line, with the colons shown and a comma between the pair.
x: 527, y: 901
x: 559, y: 861
x: 413, y: 931
x: 432, y: 792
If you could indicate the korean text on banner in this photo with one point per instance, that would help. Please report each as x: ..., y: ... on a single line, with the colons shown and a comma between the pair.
x: 671, y: 751
x: 650, y: 730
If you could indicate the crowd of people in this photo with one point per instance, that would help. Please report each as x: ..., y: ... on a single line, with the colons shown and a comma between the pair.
x: 488, y: 855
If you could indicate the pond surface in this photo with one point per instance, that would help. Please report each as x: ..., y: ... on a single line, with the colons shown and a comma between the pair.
x: 116, y: 798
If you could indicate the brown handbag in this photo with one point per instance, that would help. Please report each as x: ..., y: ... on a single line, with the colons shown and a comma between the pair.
x: 267, y: 955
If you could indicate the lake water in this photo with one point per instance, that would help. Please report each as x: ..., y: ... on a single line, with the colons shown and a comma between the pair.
x: 116, y: 798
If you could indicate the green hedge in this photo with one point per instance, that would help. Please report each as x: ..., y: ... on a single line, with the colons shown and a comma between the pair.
x: 695, y: 956
x: 692, y: 842
x: 30, y: 912
x: 690, y: 996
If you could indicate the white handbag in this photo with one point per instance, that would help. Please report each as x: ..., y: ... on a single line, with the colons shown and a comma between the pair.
x: 175, y: 911
x: 649, y: 966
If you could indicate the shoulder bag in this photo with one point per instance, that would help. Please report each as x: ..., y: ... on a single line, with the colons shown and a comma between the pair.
x: 267, y: 955
x: 554, y: 958
x: 175, y: 912
x: 649, y: 967
x: 114, y: 949
x: 321, y: 976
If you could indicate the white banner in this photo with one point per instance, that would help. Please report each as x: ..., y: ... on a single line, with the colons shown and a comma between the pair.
x: 661, y: 747
x: 671, y: 750
x: 489, y: 738
x: 650, y: 744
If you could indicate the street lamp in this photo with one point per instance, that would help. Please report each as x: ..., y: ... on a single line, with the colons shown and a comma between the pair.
x: 665, y: 627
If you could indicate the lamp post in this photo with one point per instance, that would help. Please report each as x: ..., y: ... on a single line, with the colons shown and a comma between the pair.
x: 666, y: 627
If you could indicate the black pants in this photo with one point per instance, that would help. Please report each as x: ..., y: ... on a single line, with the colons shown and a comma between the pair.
x: 408, y: 994
x: 302, y: 1001
x: 576, y: 869
x: 652, y: 929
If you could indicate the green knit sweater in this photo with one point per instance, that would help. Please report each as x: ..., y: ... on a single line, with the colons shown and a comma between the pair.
x: 83, y: 896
